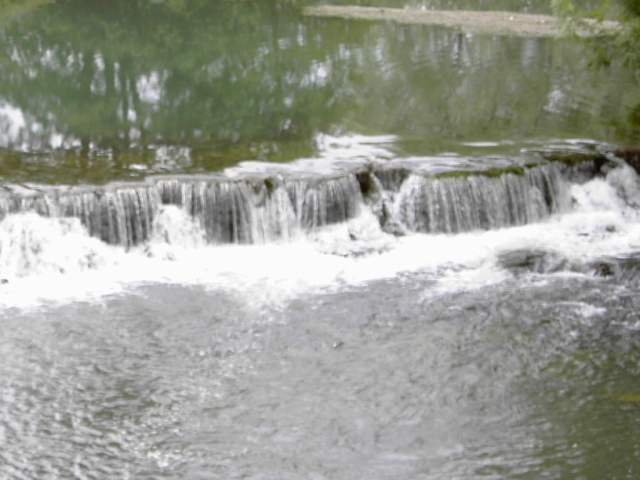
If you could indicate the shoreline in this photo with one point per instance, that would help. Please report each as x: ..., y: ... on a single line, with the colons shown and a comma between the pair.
x: 476, y: 22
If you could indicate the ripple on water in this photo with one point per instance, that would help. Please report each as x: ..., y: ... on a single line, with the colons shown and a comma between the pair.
x: 178, y: 381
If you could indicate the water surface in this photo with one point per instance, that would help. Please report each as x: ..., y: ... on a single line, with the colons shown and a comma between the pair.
x: 526, y: 380
x: 425, y: 297
x: 92, y: 92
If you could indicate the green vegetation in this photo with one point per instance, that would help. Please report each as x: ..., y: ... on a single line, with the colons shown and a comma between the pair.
x: 624, y: 47
x: 490, y: 173
x: 90, y: 89
x: 10, y: 9
x: 629, y: 398
x: 572, y: 159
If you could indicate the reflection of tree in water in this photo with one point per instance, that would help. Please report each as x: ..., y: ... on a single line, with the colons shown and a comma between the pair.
x: 443, y: 86
x: 182, y: 73
x: 227, y: 76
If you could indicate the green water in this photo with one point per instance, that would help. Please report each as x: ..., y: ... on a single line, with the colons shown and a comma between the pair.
x: 93, y: 90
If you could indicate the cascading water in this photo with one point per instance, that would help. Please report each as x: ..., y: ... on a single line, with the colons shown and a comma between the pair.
x: 244, y: 211
x: 117, y: 214
x: 453, y: 297
x: 184, y: 240
x: 259, y: 210
x: 353, y: 223
x: 474, y: 202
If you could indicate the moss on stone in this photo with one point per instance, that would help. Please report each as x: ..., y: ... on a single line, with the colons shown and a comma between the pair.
x: 631, y: 156
x: 629, y: 398
x: 490, y: 173
x: 573, y: 159
x: 365, y: 180
x: 270, y: 183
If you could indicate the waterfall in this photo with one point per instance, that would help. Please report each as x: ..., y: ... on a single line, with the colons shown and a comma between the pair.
x: 246, y: 211
x: 320, y: 203
x: 249, y: 211
x: 261, y: 208
x: 118, y: 214
x: 461, y: 203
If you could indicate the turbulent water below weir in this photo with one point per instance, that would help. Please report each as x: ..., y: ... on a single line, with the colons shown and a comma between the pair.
x: 361, y: 322
x: 532, y: 378
x: 427, y: 271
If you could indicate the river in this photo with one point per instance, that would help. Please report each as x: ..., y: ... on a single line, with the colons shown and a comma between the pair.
x: 238, y: 242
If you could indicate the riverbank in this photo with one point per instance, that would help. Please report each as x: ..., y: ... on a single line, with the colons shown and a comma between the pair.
x: 481, y: 22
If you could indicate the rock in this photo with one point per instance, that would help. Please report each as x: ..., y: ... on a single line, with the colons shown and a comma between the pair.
x: 579, y: 166
x: 536, y: 261
x: 604, y: 270
x: 631, y: 156
x: 625, y: 269
x: 4, y: 281
x: 394, y: 228
x: 367, y: 184
x: 388, y: 223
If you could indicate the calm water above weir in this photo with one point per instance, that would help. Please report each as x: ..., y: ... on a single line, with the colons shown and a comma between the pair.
x: 92, y: 92
x: 237, y: 242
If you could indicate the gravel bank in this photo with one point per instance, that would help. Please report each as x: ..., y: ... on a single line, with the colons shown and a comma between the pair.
x: 483, y: 22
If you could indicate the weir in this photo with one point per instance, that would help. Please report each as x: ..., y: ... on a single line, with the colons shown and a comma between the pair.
x: 260, y: 208
x: 461, y: 204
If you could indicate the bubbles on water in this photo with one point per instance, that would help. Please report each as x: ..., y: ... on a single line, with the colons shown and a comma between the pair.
x: 603, y: 221
x: 358, y: 237
x: 32, y: 245
x: 352, y: 146
x: 627, y: 184
x: 596, y: 195
x: 585, y: 310
x: 619, y: 191
x: 174, y: 226
x: 174, y: 230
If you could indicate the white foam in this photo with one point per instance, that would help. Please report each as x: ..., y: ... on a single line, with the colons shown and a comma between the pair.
x: 54, y: 260
x: 334, y: 154
x: 31, y: 245
x: 482, y: 144
x: 585, y: 310
x: 351, y: 146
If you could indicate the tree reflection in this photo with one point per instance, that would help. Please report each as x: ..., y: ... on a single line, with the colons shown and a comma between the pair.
x: 123, y: 73
x: 105, y: 82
